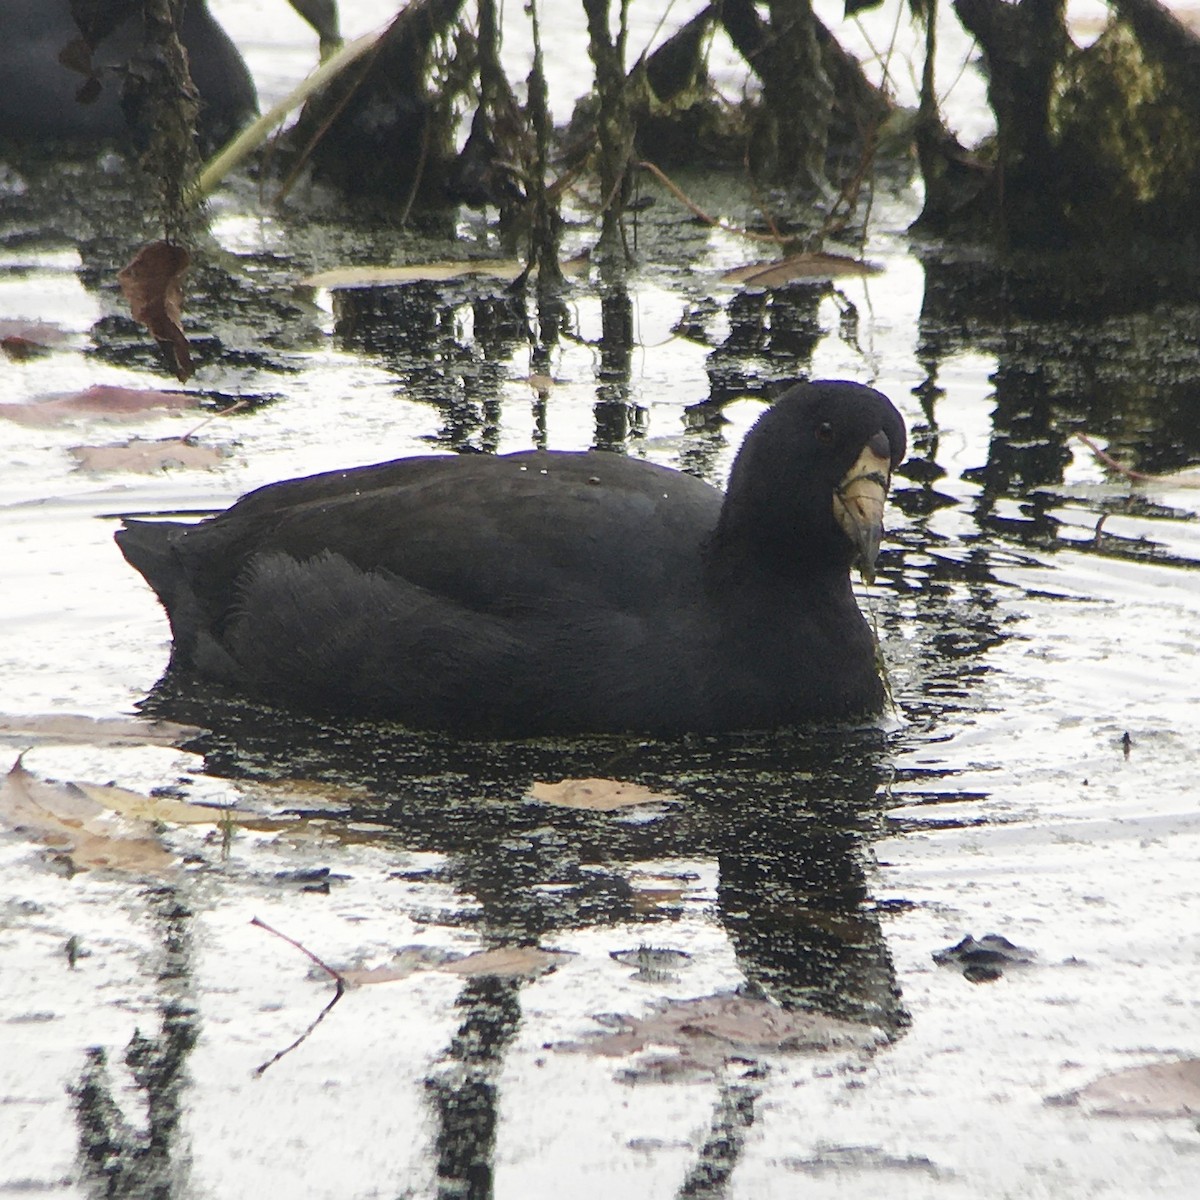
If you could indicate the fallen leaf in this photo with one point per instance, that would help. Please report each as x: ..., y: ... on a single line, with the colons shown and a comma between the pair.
x: 707, y: 1031
x: 817, y: 265
x: 153, y: 284
x: 436, y: 272
x: 1163, y: 1090
x: 72, y: 823
x: 97, y: 731
x: 39, y: 334
x: 156, y: 809
x: 522, y: 961
x: 509, y: 961
x: 147, y: 455
x: 101, y: 400
x: 599, y: 795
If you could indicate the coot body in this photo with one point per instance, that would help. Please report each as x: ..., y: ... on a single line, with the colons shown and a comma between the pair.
x: 38, y: 94
x: 546, y: 592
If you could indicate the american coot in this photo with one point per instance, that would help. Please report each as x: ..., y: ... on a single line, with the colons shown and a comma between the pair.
x: 550, y: 592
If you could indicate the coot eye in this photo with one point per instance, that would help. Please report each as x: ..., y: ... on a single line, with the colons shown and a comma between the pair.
x: 825, y: 432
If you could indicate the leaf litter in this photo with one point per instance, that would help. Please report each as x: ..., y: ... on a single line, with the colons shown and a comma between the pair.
x: 701, y: 1035
x: 597, y: 795
x: 147, y: 456
x: 96, y: 731
x: 1160, y: 1090
x: 93, y: 825
x: 104, y: 400
x: 76, y: 826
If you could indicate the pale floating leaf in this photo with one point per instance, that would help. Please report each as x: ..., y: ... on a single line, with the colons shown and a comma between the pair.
x: 97, y: 731
x: 106, y: 401
x: 1161, y: 1090
x: 817, y: 265
x: 147, y: 455
x: 141, y: 807
x: 705, y: 1032
x: 69, y: 821
x: 599, y: 795
x: 436, y: 272
x: 386, y: 973
x: 1177, y: 479
x: 515, y: 961
x: 38, y: 333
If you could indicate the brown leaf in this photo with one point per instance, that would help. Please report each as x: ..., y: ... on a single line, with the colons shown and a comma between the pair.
x: 817, y: 265
x: 152, y: 283
x: 523, y: 961
x: 44, y: 333
x: 100, y: 400
x: 1163, y: 1090
x: 98, y: 731
x: 71, y: 822
x: 599, y: 795
x: 147, y: 455
x: 708, y: 1030
x: 436, y: 272
x: 156, y: 809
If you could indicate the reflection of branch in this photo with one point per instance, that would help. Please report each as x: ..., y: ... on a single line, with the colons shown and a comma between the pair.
x: 338, y: 992
x: 1109, y: 461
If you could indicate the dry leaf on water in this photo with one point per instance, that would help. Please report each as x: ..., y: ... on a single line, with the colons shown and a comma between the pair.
x: 705, y: 1032
x: 147, y: 455
x: 68, y: 820
x: 817, y: 265
x: 101, y: 400
x: 153, y: 285
x: 505, y: 269
x: 438, y: 272
x: 523, y: 962
x: 99, y: 825
x: 1161, y: 1090
x: 23, y: 340
x: 96, y: 731
x: 599, y: 795
x: 513, y: 961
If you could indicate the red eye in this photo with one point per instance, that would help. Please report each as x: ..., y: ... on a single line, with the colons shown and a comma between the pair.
x: 825, y: 432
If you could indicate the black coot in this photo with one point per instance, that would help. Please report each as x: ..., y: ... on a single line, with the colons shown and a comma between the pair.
x: 550, y: 592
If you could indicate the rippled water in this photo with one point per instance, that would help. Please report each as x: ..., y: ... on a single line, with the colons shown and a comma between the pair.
x: 1037, y: 779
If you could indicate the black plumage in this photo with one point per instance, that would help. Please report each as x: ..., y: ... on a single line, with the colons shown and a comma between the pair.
x: 550, y: 592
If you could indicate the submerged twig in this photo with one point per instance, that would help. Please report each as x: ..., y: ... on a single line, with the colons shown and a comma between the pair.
x: 236, y: 406
x: 777, y: 239
x: 339, y: 992
x: 1109, y: 461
